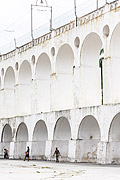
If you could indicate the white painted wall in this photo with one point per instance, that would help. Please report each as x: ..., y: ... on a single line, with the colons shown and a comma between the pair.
x: 67, y: 84
x: 90, y: 86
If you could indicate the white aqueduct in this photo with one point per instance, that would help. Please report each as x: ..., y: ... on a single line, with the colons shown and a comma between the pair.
x: 51, y: 95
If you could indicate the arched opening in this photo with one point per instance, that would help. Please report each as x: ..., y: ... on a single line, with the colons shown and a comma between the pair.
x: 40, y: 136
x: 90, y: 71
x: 106, y: 31
x: 53, y: 51
x: 61, y: 137
x: 114, y: 141
x: 91, y: 50
x: 64, y: 80
x: 77, y: 42
x: 115, y: 43
x: 115, y: 60
x: 43, y: 71
x: 25, y: 78
x: 2, y: 71
x: 88, y: 139
x: 16, y: 66
x: 1, y: 102
x: 9, y: 93
x: 21, y: 141
x: 33, y: 59
x: 6, y: 138
x: 0, y: 83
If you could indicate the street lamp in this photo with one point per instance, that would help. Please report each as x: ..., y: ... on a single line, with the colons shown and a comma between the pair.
x: 96, y: 4
x: 42, y: 2
x: 44, y: 6
x: 75, y: 11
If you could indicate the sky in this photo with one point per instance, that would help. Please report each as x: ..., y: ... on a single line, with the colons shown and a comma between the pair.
x: 15, y: 16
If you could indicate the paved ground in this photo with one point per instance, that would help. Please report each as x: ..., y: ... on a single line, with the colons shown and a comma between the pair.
x: 41, y: 170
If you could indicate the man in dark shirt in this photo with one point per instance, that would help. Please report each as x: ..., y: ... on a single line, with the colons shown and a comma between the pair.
x: 57, y: 153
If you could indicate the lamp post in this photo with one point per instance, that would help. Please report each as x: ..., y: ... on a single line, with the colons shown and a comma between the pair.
x: 75, y: 10
x: 96, y: 4
x: 43, y: 6
x: 42, y: 2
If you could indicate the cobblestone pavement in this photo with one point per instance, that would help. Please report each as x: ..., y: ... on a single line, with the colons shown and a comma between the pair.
x: 44, y: 170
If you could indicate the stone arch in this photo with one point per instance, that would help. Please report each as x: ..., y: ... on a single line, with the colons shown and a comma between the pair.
x: 25, y: 78
x: 9, y: 83
x: 64, y: 98
x: 115, y: 43
x: 0, y: 83
x: 61, y: 137
x: 40, y: 136
x: 115, y: 60
x: 21, y: 140
x: 25, y: 73
x: 43, y: 67
x: 89, y: 128
x: 6, y: 134
x: 40, y: 131
x: 90, y: 50
x: 113, y: 148
x: 22, y: 133
x: 114, y: 132
x: 62, y: 130
x: 1, y: 101
x: 43, y: 72
x: 90, y: 71
x: 6, y: 138
x: 9, y: 80
x: 65, y: 59
x: 88, y: 139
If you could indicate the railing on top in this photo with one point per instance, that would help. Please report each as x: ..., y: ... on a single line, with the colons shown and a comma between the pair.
x: 66, y: 18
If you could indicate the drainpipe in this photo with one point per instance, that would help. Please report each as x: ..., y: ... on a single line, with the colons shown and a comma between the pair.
x: 101, y: 67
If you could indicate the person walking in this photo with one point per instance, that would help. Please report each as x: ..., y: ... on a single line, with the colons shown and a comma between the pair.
x: 27, y: 153
x: 57, y: 154
x: 6, y: 156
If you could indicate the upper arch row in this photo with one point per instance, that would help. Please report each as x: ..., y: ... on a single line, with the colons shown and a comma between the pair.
x: 43, y: 67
